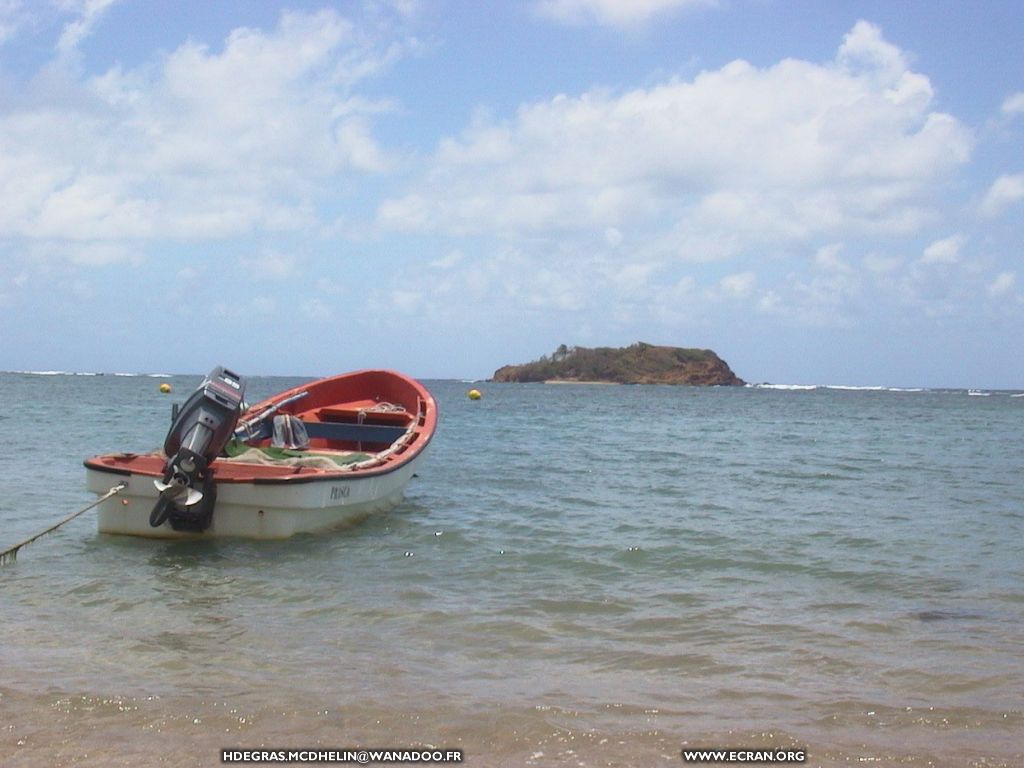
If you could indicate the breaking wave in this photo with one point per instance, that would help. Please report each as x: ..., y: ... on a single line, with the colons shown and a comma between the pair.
x: 837, y: 387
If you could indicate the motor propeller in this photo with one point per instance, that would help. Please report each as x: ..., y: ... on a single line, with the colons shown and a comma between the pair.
x: 201, y: 429
x: 179, y: 491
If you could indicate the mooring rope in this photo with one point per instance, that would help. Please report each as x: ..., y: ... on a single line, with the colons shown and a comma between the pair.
x: 381, y: 407
x: 10, y: 555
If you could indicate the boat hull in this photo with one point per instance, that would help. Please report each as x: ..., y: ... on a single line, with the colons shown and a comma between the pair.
x: 367, y: 433
x: 254, y: 511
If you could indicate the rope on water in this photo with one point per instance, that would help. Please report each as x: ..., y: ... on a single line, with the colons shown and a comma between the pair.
x: 10, y: 555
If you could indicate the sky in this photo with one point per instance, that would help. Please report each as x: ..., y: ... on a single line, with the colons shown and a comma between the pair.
x: 821, y: 192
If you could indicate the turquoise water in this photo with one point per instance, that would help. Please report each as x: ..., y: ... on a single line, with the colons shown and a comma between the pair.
x: 580, y: 575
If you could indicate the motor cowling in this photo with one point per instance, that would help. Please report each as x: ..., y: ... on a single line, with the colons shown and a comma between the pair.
x: 199, y: 432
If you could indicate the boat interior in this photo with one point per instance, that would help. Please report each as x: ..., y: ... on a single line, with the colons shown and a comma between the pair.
x: 357, y: 422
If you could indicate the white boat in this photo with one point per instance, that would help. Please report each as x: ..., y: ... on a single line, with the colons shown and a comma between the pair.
x: 306, y: 460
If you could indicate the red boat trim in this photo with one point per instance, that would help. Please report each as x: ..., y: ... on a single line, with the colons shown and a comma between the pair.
x: 345, y: 477
x: 423, y: 422
x: 111, y: 470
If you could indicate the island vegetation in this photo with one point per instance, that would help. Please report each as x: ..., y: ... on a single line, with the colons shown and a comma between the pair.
x: 638, y: 363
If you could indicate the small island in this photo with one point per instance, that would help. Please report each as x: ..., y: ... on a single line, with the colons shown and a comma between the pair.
x: 639, y: 363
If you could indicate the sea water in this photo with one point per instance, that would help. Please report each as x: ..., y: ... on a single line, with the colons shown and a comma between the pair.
x: 579, y: 576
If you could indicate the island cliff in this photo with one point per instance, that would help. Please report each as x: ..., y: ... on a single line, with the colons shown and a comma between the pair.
x: 639, y: 363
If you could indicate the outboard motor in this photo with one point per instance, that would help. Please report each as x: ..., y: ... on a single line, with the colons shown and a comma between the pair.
x: 201, y: 429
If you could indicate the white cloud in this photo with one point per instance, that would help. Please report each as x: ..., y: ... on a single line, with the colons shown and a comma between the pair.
x: 202, y: 143
x: 613, y: 237
x: 403, y: 8
x: 255, y: 307
x: 738, y: 157
x: 1014, y: 104
x: 941, y: 282
x: 100, y: 254
x: 738, y: 286
x: 88, y: 14
x: 82, y: 289
x: 449, y: 260
x: 831, y: 299
x: 1004, y: 283
x: 611, y: 13
x: 945, y: 251
x: 331, y: 287
x: 864, y: 53
x: 49, y: 257
x: 631, y: 279
x: 770, y: 303
x: 12, y: 15
x: 266, y: 265
x: 550, y: 288
x: 1004, y: 192
x: 827, y: 258
x: 743, y: 165
x: 945, y: 280
x: 821, y: 165
x: 316, y: 309
x: 674, y: 304
x: 882, y: 264
x: 406, y: 301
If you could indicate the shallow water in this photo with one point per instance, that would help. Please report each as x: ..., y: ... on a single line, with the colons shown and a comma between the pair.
x: 580, y: 575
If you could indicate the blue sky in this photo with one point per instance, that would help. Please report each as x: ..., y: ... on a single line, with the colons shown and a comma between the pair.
x: 826, y: 193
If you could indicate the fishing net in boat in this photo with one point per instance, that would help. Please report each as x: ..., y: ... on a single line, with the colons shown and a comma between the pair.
x: 381, y: 407
x: 278, y: 457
